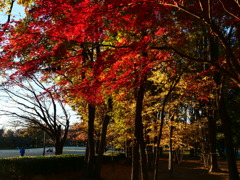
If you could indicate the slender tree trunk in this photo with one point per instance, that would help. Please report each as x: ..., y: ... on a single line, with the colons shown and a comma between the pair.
x: 178, y: 155
x: 170, y: 159
x: 102, y: 144
x: 212, y: 140
x: 162, y: 120
x: 135, y: 161
x: 150, y: 157
x: 227, y: 127
x: 214, y: 56
x: 97, y: 143
x: 140, y: 143
x: 143, y: 161
x: 44, y: 143
x: 128, y: 149
x: 90, y: 155
x: 156, y: 161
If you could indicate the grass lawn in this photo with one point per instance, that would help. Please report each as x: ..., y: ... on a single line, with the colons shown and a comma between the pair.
x: 39, y: 151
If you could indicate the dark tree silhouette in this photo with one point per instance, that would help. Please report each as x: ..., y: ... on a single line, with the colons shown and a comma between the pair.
x: 35, y: 104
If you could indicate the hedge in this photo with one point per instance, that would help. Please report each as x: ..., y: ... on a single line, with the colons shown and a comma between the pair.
x: 29, y: 166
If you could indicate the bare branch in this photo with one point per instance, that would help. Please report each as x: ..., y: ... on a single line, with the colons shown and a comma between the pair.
x: 225, y: 9
x: 39, y: 107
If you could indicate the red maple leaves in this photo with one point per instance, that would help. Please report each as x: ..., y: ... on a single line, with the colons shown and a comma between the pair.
x: 95, y: 45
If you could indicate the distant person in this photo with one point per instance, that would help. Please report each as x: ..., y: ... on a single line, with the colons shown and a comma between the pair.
x: 22, y: 151
x: 50, y: 150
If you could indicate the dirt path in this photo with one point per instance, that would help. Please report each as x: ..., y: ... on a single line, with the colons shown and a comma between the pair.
x: 188, y: 170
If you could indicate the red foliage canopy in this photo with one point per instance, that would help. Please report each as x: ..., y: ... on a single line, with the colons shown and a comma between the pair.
x: 99, y: 46
x: 74, y: 40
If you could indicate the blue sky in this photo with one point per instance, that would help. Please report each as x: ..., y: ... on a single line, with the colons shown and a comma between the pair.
x: 17, y: 13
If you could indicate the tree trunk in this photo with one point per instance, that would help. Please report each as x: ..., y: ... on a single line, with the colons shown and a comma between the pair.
x: 58, y: 148
x: 90, y: 155
x: 170, y: 158
x: 58, y: 142
x: 102, y: 144
x: 178, y: 156
x: 128, y: 149
x: 135, y: 161
x: 227, y: 127
x: 156, y: 163
x: 150, y: 157
x: 140, y: 143
x: 212, y: 140
x: 214, y: 56
x: 162, y: 121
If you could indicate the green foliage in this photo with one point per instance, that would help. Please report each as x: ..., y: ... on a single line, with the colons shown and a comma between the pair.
x: 27, y: 137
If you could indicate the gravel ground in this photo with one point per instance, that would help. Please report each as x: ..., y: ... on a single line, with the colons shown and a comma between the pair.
x: 39, y: 151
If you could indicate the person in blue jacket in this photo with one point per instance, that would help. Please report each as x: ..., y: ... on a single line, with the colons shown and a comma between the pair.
x: 22, y: 151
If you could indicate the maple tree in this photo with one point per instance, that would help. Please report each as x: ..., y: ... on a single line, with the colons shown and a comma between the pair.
x: 170, y: 88
x: 93, y: 48
x: 215, y: 17
x: 77, y: 134
x: 101, y: 121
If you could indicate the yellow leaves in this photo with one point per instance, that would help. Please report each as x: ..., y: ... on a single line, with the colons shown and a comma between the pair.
x: 25, y: 3
x: 158, y: 77
x: 121, y: 38
x: 5, y: 5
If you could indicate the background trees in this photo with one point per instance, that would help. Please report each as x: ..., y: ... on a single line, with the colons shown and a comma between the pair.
x: 22, y: 137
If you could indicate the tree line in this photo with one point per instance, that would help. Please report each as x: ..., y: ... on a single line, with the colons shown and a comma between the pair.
x: 32, y: 138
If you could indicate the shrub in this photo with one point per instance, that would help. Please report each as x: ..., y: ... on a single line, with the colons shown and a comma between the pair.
x: 28, y: 166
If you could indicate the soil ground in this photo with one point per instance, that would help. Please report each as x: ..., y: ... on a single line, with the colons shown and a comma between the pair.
x: 187, y: 170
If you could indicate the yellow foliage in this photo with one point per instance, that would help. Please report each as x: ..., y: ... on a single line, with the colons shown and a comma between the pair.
x: 5, y: 5
x: 25, y: 3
